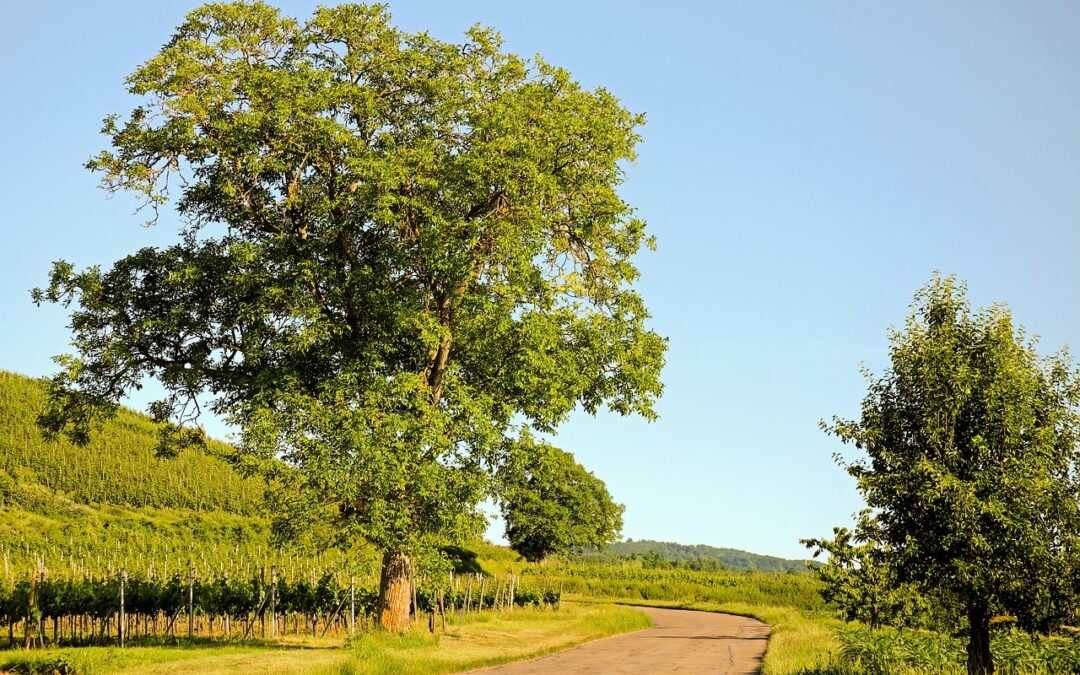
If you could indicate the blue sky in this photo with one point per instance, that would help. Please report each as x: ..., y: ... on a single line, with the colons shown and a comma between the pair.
x: 806, y: 167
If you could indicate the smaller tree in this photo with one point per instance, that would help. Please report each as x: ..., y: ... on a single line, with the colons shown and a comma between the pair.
x: 552, y: 504
x: 970, y: 466
x: 859, y: 581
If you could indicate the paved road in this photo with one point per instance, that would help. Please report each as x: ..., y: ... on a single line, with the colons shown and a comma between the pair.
x: 680, y: 641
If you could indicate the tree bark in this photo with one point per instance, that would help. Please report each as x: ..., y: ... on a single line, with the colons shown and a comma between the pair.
x: 979, y: 661
x: 394, y: 596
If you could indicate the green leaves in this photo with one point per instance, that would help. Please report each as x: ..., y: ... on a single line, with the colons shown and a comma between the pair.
x: 551, y: 504
x: 971, y: 461
x: 395, y: 250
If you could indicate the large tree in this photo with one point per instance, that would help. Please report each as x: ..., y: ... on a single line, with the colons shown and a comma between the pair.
x: 395, y: 253
x: 970, y: 467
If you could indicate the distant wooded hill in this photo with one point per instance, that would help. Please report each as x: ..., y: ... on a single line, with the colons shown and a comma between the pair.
x: 692, y: 556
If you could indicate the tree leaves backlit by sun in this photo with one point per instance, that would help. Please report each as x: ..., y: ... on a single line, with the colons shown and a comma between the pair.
x: 396, y: 251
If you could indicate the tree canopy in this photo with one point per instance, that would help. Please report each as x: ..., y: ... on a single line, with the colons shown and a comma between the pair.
x: 552, y: 504
x: 396, y: 252
x: 970, y: 467
x: 858, y: 579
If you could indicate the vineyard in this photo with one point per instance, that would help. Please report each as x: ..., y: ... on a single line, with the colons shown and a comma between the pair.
x: 633, y: 582
x: 118, y: 466
x: 201, y: 568
x: 126, y: 547
x: 41, y: 611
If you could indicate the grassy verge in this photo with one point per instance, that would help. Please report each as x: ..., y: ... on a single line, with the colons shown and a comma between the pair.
x: 485, y: 640
x: 799, y: 642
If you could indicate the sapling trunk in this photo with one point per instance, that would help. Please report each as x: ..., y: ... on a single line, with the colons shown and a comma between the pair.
x: 979, y: 659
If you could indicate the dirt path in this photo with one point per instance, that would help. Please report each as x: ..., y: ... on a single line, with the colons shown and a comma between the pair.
x: 679, y: 641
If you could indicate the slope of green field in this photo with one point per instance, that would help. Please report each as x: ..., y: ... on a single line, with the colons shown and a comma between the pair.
x: 89, y: 509
x: 77, y: 540
x: 115, y: 494
x: 117, y: 467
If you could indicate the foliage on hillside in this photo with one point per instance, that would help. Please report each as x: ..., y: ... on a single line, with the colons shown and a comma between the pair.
x: 629, y: 582
x: 118, y: 466
x: 78, y: 539
x: 89, y: 509
x: 691, y: 556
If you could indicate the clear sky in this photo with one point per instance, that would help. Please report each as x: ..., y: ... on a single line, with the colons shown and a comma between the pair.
x: 806, y: 167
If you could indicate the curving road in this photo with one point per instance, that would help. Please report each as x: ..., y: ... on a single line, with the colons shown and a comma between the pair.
x: 680, y: 640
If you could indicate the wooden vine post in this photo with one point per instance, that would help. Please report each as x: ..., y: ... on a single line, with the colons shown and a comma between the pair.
x: 273, y: 601
x: 191, y: 603
x: 122, y: 628
x: 228, y: 615
x: 442, y: 609
x: 352, y: 605
x: 30, y: 607
x: 464, y: 601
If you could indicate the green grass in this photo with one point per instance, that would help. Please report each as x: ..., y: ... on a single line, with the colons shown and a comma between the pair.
x: 920, y: 652
x: 484, y: 640
x: 799, y: 642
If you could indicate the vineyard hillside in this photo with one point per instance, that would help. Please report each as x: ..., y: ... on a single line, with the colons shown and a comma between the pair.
x: 118, y: 467
x: 114, y: 501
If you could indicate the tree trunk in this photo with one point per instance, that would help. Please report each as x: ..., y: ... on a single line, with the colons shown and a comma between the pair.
x: 394, y: 594
x: 979, y: 661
